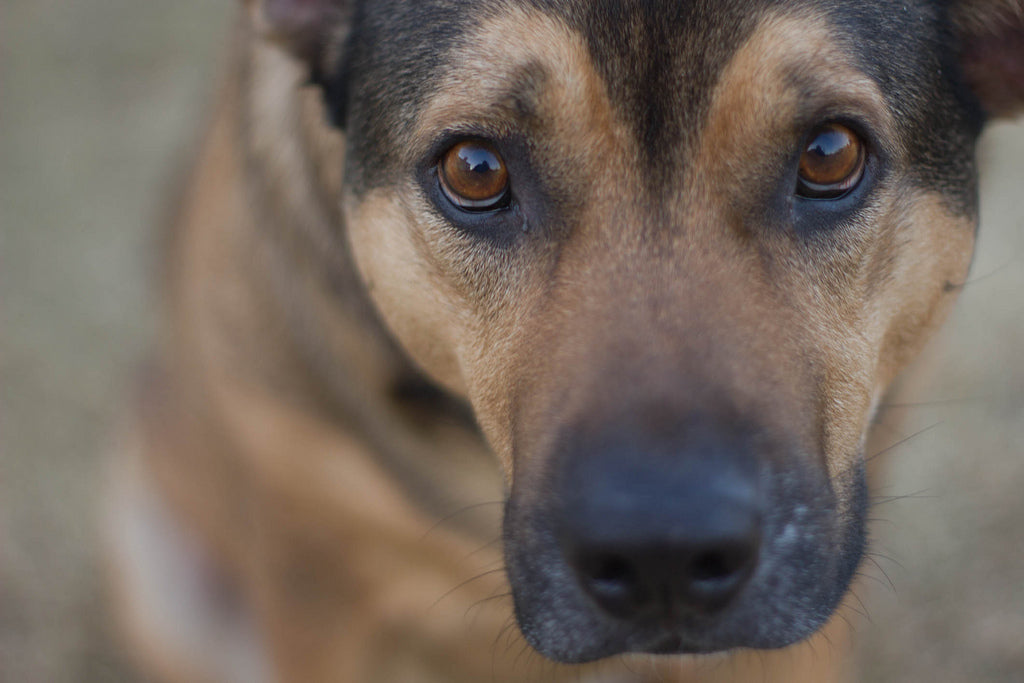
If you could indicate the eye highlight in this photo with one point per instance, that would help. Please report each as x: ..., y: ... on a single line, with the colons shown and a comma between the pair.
x: 473, y: 176
x: 832, y: 164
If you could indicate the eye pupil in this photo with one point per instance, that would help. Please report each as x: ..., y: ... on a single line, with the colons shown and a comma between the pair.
x: 832, y: 163
x: 473, y: 176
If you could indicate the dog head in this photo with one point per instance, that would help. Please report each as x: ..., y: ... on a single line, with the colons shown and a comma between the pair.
x: 672, y: 253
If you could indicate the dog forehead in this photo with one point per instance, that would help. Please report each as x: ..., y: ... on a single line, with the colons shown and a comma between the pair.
x: 529, y: 73
x: 658, y: 63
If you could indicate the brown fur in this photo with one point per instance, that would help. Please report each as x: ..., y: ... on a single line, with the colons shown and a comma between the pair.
x: 318, y: 591
x: 272, y: 430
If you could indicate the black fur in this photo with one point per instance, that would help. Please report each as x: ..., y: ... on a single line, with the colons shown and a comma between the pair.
x: 660, y: 60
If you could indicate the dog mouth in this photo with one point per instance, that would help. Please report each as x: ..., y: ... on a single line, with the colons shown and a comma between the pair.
x: 667, y: 645
x: 689, y: 555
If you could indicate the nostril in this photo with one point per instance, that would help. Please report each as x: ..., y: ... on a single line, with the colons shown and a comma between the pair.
x: 665, y: 576
x: 718, y: 564
x: 611, y: 569
x: 714, y: 576
x: 614, y: 582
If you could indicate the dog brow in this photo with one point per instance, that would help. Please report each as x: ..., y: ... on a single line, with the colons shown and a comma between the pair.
x: 545, y: 70
x: 511, y: 101
x: 521, y: 99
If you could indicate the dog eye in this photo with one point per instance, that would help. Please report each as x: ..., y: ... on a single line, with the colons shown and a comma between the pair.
x: 832, y: 163
x: 473, y: 176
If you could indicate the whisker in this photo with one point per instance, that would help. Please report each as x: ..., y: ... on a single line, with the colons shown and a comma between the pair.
x: 509, y: 622
x: 482, y: 601
x: 862, y: 611
x: 522, y: 651
x: 903, y: 441
x: 456, y: 513
x: 873, y: 557
x: 484, y: 547
x: 884, y: 500
x: 877, y: 579
x: 468, y: 581
x: 875, y: 521
x: 961, y: 400
x: 1011, y: 262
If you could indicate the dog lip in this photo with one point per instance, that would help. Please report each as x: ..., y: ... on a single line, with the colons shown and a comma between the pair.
x: 667, y: 645
x: 673, y: 643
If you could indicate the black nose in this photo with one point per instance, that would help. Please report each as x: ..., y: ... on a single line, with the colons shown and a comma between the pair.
x: 664, y: 534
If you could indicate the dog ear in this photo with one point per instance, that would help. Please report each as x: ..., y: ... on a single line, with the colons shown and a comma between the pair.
x: 991, y: 35
x: 307, y: 28
x: 315, y: 32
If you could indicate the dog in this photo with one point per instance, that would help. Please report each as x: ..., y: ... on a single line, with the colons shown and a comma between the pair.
x: 540, y: 340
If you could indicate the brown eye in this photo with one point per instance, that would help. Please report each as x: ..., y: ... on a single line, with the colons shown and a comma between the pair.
x: 832, y: 163
x: 473, y: 176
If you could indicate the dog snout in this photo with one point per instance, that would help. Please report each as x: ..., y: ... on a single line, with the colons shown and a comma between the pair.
x: 660, y: 536
x: 671, y: 531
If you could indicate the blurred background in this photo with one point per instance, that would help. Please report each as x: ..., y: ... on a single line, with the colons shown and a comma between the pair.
x: 100, y: 101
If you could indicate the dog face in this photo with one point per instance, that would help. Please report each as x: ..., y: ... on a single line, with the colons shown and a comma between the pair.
x: 672, y: 253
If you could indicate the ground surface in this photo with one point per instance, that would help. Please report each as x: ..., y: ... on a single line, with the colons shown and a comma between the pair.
x: 98, y: 100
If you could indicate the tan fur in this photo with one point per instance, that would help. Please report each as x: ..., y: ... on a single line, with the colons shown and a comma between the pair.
x: 756, y: 100
x: 753, y: 101
x: 268, y: 429
x: 455, y: 309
